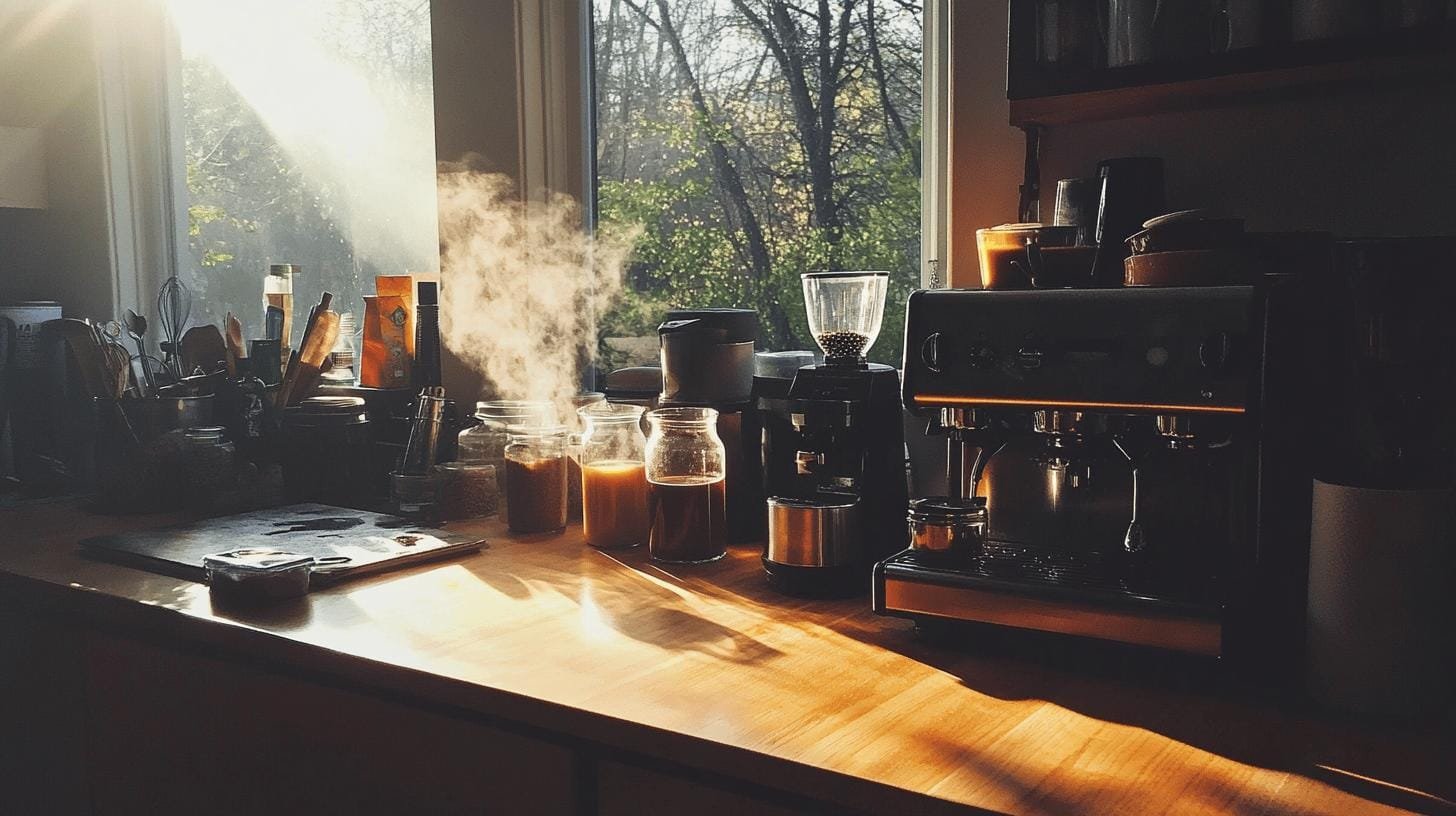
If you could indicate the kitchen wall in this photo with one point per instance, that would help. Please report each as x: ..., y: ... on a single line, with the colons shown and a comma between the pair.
x: 49, y: 79
x: 1358, y: 162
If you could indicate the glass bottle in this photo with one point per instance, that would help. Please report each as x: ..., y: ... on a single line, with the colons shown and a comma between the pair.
x: 342, y: 356
x: 685, y: 474
x: 278, y: 294
x: 613, y: 476
x: 535, y: 471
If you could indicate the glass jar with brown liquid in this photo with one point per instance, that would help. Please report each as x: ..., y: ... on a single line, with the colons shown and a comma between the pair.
x: 613, y: 476
x: 685, y: 468
x: 535, y: 474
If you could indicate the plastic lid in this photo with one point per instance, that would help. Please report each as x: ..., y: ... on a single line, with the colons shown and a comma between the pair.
x: 781, y: 365
x: 284, y: 269
x: 739, y: 325
x: 947, y: 510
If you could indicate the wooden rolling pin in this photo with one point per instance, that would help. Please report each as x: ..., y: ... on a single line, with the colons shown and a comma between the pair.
x: 318, y: 341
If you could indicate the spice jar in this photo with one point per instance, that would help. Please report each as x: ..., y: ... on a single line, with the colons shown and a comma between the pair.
x: 467, y: 490
x: 535, y: 471
x: 946, y: 528
x: 485, y: 442
x: 685, y: 468
x: 613, y: 476
x: 206, y: 466
x: 326, y: 451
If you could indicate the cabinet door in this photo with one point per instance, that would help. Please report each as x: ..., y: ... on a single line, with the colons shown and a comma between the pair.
x: 629, y: 790
x: 170, y: 733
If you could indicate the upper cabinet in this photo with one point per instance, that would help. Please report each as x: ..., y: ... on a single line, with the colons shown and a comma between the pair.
x: 1085, y: 60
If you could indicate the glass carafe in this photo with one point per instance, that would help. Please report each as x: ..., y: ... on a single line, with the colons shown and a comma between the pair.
x: 613, y: 476
x: 685, y: 471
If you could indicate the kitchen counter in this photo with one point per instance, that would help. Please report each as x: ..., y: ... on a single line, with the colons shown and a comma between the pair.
x: 546, y: 676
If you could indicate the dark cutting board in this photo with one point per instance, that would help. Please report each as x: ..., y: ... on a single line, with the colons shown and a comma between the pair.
x: 372, y: 542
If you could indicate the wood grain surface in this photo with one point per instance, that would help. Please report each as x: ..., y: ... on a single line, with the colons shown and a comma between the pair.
x: 703, y: 667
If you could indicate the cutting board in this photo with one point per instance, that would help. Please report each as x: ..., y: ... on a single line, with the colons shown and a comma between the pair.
x: 370, y: 541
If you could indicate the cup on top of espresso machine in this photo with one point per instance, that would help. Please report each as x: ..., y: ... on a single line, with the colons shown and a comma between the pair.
x: 1034, y: 256
x: 833, y: 448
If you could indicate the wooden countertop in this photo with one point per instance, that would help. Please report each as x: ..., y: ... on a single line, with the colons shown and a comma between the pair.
x: 706, y: 667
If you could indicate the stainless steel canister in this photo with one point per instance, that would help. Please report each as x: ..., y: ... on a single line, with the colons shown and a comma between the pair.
x: 814, y: 532
x: 942, y: 527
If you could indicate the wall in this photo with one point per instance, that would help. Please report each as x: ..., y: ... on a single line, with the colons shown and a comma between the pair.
x: 49, y: 79
x: 1358, y: 162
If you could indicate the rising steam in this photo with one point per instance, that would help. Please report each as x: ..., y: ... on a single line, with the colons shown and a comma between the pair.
x: 525, y: 284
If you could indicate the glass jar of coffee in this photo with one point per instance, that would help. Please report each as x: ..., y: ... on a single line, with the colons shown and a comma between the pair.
x: 613, y: 476
x: 484, y: 443
x: 535, y: 471
x: 573, y: 450
x: 685, y: 481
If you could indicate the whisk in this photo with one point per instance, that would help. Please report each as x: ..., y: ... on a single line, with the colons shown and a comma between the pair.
x: 174, y: 308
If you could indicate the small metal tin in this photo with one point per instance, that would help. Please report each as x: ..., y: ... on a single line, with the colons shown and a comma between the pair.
x: 258, y: 574
x: 947, y: 527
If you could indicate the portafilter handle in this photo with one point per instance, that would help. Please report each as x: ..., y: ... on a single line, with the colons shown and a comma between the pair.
x: 967, y: 430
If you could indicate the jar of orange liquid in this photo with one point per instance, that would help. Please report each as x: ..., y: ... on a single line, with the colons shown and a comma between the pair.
x: 613, y: 478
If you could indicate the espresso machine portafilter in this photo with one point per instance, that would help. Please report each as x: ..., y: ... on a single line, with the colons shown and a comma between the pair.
x: 1115, y: 441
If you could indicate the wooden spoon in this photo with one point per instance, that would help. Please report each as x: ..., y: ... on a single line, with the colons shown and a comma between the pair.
x: 233, y: 336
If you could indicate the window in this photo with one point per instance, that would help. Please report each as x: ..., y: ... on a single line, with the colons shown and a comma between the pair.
x: 306, y: 133
x: 755, y: 140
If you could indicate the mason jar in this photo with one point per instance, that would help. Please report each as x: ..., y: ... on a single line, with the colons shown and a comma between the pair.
x: 535, y: 471
x: 484, y: 444
x: 613, y: 476
x: 685, y: 469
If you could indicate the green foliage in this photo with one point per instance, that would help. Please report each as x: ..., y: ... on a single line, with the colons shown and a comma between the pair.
x: 655, y: 170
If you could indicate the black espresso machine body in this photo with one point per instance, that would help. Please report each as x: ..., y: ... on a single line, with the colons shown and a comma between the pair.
x: 1139, y: 451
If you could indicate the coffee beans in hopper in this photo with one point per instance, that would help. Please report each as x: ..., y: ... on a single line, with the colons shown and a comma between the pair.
x: 843, y: 343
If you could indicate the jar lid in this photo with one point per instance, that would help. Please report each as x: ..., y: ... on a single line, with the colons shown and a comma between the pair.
x: 205, y: 433
x: 327, y: 412
x: 947, y: 510
x: 332, y: 405
x: 529, y: 432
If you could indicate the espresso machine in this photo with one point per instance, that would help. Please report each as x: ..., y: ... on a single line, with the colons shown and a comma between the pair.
x: 834, y: 449
x: 1136, y: 459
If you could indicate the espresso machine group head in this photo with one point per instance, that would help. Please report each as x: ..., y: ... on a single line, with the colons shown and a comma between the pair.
x: 834, y: 449
x: 1133, y: 451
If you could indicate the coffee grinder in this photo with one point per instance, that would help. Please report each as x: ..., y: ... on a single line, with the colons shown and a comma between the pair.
x: 834, y: 450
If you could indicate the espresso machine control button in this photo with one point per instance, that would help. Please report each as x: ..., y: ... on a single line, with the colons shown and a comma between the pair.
x: 1029, y: 358
x: 980, y: 355
x: 1215, y: 352
x: 931, y: 353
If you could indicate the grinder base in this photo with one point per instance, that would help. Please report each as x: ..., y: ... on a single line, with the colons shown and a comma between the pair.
x: 841, y: 581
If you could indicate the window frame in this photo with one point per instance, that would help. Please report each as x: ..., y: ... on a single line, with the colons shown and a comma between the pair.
x: 140, y: 73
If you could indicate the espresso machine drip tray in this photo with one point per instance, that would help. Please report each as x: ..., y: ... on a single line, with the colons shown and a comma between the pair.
x: 1077, y: 593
